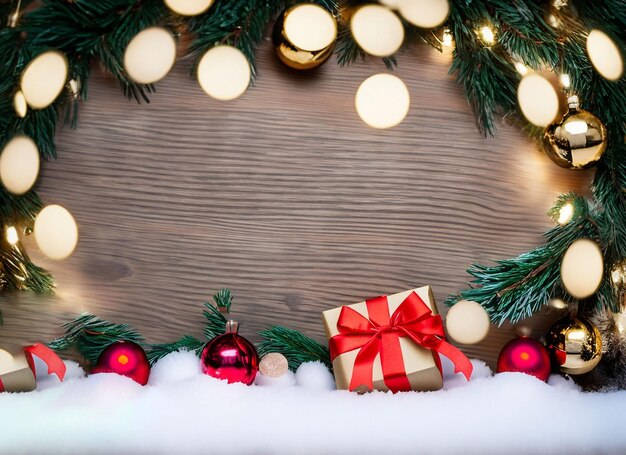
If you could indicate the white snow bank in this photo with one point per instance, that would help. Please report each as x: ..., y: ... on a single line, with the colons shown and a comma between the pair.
x: 182, y: 411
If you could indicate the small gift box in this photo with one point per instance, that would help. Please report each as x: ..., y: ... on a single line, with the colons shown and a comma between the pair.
x: 390, y: 343
x: 17, y: 372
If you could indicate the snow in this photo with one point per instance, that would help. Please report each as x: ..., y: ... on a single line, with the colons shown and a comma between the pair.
x: 182, y: 411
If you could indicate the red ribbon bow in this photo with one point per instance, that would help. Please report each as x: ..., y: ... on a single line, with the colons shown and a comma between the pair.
x: 380, y: 334
x: 54, y: 363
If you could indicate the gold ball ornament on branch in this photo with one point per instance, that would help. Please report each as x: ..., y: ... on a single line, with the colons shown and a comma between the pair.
x: 43, y: 79
x: 377, y: 30
x: 150, y: 55
x: 576, y: 345
x: 582, y: 268
x: 305, y: 36
x: 224, y: 73
x: 19, y: 165
x: 578, y: 140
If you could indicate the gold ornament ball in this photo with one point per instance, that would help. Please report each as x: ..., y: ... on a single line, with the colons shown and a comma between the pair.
x: 305, y: 36
x: 578, y: 141
x: 577, y: 345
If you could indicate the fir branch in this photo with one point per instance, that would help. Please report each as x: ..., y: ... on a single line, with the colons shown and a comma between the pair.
x: 91, y: 334
x: 187, y: 343
x: 514, y: 289
x: 295, y: 346
x: 214, y: 313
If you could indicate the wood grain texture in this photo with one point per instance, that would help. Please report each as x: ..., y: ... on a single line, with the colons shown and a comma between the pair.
x: 285, y: 196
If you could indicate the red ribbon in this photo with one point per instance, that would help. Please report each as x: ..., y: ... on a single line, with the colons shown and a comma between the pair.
x: 54, y: 362
x: 380, y: 334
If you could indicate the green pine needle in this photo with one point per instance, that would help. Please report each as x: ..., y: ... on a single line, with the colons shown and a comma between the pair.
x: 295, y: 346
x: 188, y: 343
x: 91, y: 334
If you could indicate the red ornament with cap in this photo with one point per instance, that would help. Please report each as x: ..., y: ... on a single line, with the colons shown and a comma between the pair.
x: 124, y: 358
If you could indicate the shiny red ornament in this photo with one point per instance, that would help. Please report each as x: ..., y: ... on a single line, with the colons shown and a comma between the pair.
x: 230, y: 357
x: 124, y: 358
x: 525, y: 355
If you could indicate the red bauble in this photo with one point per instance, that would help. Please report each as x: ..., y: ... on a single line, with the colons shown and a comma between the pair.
x: 125, y: 358
x: 525, y: 355
x: 230, y: 357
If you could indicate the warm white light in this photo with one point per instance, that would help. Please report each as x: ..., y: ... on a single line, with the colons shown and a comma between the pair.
x: 56, y: 232
x: 566, y: 213
x: 521, y: 68
x: 447, y: 38
x: 74, y: 87
x: 487, y: 35
x: 467, y: 322
x: 377, y: 30
x: 310, y: 27
x: 150, y: 55
x: 393, y: 4
x: 189, y: 7
x: 43, y: 79
x: 537, y: 99
x: 605, y: 55
x: 558, y: 304
x: 582, y: 268
x: 565, y: 80
x: 554, y: 21
x: 224, y: 72
x: 12, y: 236
x: 576, y: 127
x: 424, y: 13
x: 19, y: 164
x: 19, y: 104
x: 382, y: 101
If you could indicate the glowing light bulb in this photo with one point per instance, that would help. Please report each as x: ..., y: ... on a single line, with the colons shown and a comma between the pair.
x: 521, y: 68
x: 12, y: 236
x: 566, y: 81
x: 487, y: 35
x: 447, y: 38
x: 566, y: 213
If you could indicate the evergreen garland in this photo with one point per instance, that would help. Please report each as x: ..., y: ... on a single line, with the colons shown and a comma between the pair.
x: 87, y: 31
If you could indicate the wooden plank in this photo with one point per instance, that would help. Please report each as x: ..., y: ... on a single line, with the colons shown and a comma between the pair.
x: 285, y: 196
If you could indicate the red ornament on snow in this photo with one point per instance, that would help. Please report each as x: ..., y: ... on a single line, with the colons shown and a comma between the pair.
x: 525, y: 355
x: 125, y: 358
x: 230, y: 357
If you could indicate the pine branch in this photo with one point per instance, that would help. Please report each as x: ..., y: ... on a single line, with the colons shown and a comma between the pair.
x: 91, y: 335
x: 216, y: 321
x: 514, y: 289
x: 187, y: 343
x: 295, y: 346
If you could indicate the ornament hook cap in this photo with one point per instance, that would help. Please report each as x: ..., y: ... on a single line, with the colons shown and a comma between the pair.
x: 573, y: 102
x: 232, y: 326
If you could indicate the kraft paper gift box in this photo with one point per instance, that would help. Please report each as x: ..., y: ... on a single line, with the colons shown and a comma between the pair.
x: 405, y: 329
x: 17, y: 372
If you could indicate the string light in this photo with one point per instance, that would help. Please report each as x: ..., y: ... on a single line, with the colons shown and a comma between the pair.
x: 521, y: 68
x: 618, y: 275
x: 565, y: 80
x: 447, y: 38
x: 487, y: 35
x: 566, y: 213
x: 12, y: 236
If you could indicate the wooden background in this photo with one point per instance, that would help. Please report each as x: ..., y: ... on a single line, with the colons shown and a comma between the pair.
x: 285, y: 196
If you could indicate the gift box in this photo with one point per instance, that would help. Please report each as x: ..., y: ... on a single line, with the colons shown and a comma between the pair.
x: 17, y: 372
x: 390, y: 343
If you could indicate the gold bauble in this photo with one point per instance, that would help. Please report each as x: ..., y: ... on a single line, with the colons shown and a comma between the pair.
x: 314, y: 31
x: 577, y: 345
x: 578, y: 140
